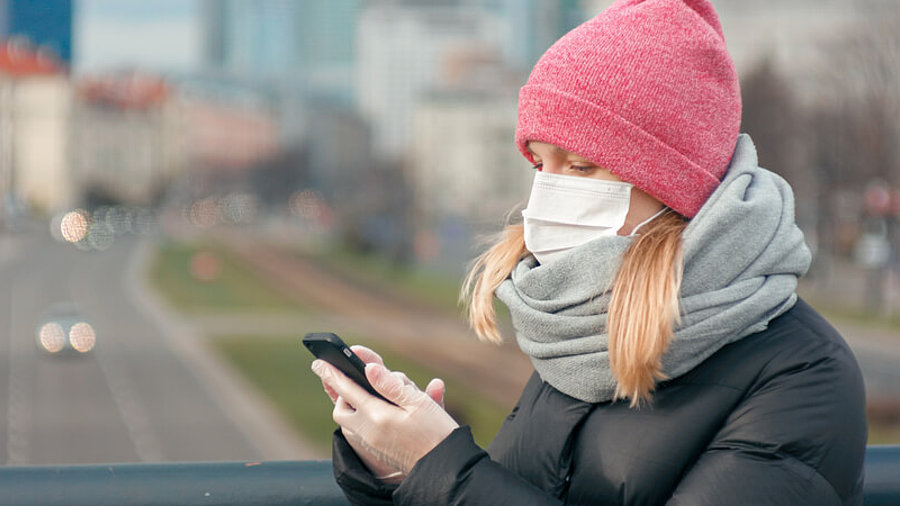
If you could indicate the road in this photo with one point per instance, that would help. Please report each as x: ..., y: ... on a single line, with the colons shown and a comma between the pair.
x: 148, y: 392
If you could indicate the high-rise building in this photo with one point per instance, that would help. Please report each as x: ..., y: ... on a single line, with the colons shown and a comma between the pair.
x: 407, y: 49
x: 533, y: 25
x: 45, y: 23
x: 250, y: 37
x: 307, y: 45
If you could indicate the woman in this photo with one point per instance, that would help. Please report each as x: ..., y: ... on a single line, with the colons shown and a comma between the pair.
x: 652, y: 284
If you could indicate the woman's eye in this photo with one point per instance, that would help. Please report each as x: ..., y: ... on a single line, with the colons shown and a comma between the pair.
x: 583, y: 168
x: 538, y: 166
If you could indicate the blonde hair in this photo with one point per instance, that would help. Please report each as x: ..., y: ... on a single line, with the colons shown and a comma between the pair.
x: 643, y: 307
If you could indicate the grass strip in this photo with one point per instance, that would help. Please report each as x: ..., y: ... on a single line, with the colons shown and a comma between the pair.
x: 231, y: 286
x: 279, y: 368
x: 439, y: 291
x: 883, y: 434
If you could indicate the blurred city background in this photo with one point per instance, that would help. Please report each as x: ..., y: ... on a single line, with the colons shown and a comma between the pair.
x: 189, y: 186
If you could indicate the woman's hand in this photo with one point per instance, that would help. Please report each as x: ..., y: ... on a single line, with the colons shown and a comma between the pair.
x: 388, y: 439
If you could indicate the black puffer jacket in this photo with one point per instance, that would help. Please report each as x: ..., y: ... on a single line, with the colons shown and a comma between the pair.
x: 775, y: 418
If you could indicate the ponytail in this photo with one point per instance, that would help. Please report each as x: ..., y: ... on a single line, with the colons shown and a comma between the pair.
x: 643, y: 307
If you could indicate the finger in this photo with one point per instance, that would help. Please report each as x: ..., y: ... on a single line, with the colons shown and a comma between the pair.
x: 341, y: 409
x: 353, y: 394
x: 403, y: 377
x: 330, y: 392
x: 392, y: 386
x: 435, y: 389
x: 366, y: 354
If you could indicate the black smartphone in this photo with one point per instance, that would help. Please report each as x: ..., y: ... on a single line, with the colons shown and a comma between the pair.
x: 331, y: 348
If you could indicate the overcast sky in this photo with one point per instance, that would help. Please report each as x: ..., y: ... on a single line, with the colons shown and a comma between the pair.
x: 152, y: 34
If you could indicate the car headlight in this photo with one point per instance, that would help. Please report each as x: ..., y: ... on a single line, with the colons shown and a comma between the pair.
x: 53, y: 337
x: 82, y: 337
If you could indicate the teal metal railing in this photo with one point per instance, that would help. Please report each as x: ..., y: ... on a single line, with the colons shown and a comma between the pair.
x: 882, y: 485
x: 263, y: 483
x: 182, y: 484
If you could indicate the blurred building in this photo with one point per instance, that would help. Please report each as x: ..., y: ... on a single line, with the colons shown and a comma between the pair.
x: 35, y: 112
x: 225, y: 141
x: 403, y: 47
x: 45, y: 23
x: 128, y: 139
x: 465, y: 172
x: 438, y: 83
x: 140, y: 139
x: 302, y: 47
x: 338, y: 155
x: 794, y: 35
x: 463, y: 153
x: 369, y: 198
x: 531, y: 26
x: 467, y: 164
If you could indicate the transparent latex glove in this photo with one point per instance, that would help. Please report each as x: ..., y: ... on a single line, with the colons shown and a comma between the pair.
x: 379, y: 465
x: 389, y: 439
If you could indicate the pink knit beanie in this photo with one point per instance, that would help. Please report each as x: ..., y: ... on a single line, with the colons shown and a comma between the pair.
x: 645, y: 89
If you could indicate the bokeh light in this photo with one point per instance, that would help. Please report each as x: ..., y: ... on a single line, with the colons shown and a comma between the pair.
x: 101, y: 236
x: 240, y: 208
x: 205, y: 266
x: 52, y: 337
x: 74, y: 225
x: 204, y: 213
x: 82, y: 337
x: 307, y: 204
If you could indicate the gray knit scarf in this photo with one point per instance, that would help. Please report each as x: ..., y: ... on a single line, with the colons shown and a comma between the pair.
x: 743, y: 254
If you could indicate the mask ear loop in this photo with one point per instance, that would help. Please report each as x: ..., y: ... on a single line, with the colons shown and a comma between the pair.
x: 648, y: 220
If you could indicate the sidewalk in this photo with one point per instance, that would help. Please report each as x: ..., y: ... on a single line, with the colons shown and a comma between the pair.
x: 878, y: 352
x: 849, y: 287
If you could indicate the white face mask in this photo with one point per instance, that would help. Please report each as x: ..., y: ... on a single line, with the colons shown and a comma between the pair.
x: 567, y: 211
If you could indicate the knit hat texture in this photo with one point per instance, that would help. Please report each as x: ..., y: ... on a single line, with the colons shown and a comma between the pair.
x: 645, y: 89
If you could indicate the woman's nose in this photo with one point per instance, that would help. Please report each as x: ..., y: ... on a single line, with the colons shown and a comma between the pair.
x: 551, y: 168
